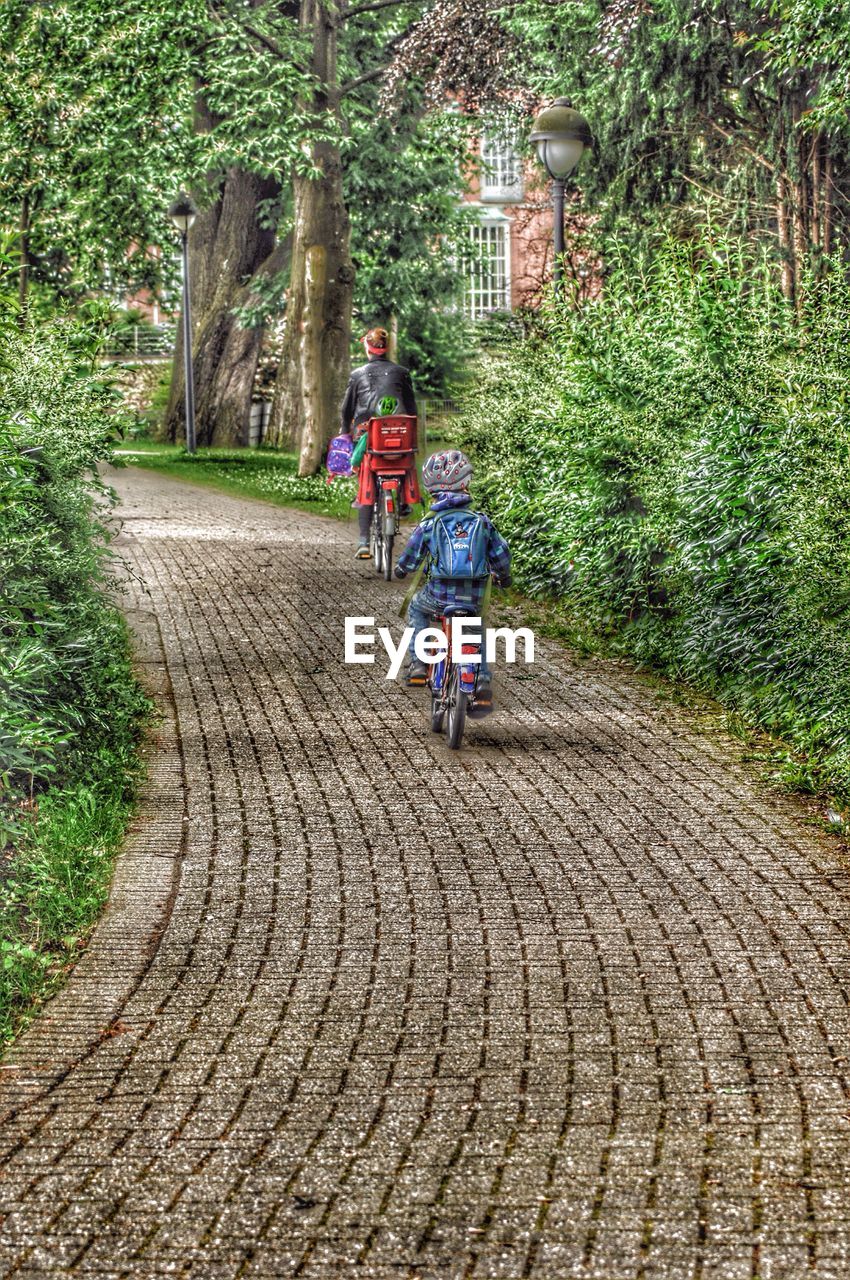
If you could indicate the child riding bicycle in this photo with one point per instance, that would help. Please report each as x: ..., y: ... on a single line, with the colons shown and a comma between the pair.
x: 452, y: 521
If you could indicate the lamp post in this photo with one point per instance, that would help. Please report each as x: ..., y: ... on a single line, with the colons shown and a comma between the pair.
x: 561, y: 135
x: 183, y: 213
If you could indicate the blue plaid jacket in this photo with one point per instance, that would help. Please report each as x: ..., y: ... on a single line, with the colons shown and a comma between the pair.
x: 468, y: 592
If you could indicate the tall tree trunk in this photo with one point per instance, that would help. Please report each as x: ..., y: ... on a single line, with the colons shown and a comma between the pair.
x: 316, y: 348
x: 800, y: 240
x: 799, y: 188
x: 828, y: 205
x: 817, y: 190
x: 783, y: 224
x: 227, y: 249
x: 24, y: 254
x: 316, y: 358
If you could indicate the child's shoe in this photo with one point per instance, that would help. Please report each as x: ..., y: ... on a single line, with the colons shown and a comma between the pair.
x: 363, y: 552
x: 482, y: 703
x: 417, y: 672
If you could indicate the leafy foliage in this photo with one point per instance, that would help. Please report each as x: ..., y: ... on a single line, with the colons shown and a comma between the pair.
x: 673, y: 461
x: 459, y: 49
x: 809, y: 34
x: 741, y: 101
x: 107, y: 108
x: 409, y: 234
x: 65, y: 688
x: 96, y: 124
x: 70, y: 707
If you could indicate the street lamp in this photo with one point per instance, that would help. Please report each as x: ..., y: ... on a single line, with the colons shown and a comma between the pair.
x: 561, y: 134
x: 183, y: 213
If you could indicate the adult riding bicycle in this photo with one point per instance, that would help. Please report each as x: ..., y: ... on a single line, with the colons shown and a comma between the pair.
x: 388, y: 481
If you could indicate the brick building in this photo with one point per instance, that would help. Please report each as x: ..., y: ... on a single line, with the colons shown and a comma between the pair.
x: 514, y: 230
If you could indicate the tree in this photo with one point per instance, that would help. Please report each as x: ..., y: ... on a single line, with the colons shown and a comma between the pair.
x: 315, y: 353
x: 805, y: 49
x: 410, y: 233
x: 88, y: 108
x: 460, y: 46
x: 110, y: 106
x: 248, y: 64
x: 399, y: 173
x: 727, y: 100
x: 107, y: 108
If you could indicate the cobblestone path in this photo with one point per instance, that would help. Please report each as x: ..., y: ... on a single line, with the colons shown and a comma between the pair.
x: 572, y: 1003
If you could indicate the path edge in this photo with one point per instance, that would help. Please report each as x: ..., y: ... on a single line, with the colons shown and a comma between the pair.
x: 144, y: 886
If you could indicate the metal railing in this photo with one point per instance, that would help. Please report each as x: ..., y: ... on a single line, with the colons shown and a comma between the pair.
x: 258, y: 422
x: 431, y: 412
x: 147, y: 341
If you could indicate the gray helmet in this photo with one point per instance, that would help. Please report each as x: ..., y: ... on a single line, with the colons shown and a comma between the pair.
x: 446, y: 472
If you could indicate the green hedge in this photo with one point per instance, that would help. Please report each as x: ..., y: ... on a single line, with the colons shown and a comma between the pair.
x: 672, y: 459
x: 70, y: 708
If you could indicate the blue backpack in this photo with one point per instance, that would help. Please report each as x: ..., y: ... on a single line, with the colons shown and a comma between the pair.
x: 457, y: 541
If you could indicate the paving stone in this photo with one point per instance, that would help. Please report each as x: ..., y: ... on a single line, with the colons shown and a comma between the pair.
x: 571, y: 1003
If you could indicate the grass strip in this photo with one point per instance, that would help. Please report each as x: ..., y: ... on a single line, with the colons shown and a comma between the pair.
x: 267, y: 474
x: 55, y: 877
x: 251, y: 473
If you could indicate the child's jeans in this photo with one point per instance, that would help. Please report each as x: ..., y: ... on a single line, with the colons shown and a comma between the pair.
x: 422, y: 612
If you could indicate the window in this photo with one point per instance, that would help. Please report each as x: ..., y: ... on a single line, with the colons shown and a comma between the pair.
x: 501, y: 169
x: 489, y: 286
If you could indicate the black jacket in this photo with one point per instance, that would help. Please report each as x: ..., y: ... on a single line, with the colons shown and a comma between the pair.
x: 369, y: 385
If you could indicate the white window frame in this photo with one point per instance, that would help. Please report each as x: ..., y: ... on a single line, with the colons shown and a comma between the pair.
x: 489, y: 283
x: 501, y: 168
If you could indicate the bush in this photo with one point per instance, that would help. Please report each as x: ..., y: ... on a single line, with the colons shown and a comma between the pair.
x: 672, y: 459
x: 69, y: 706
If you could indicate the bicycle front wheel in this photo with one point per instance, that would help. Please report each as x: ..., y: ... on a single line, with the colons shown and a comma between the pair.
x: 455, y: 711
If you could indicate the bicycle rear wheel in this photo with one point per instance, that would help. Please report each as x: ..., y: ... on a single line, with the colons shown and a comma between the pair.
x: 455, y: 711
x: 377, y: 536
x: 388, y: 497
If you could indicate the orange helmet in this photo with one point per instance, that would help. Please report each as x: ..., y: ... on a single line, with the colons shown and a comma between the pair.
x: 376, y: 342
